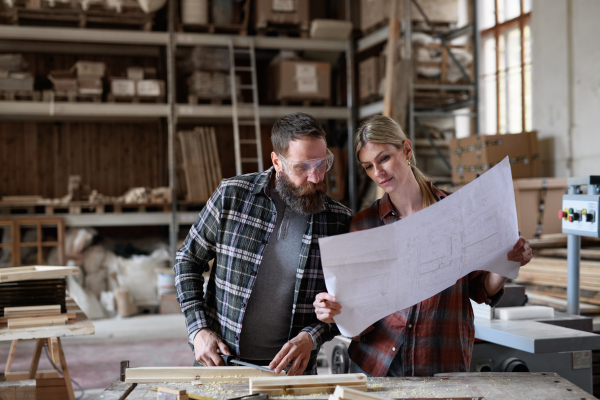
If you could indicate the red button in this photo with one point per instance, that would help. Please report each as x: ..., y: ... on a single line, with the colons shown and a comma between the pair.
x: 570, y: 219
x: 561, y: 214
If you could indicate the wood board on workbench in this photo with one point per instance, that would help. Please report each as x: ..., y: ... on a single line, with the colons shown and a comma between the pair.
x: 307, y: 384
x: 36, y: 272
x: 492, y: 386
x: 191, y: 374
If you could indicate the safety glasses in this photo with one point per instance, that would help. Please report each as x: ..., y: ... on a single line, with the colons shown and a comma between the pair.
x: 306, y: 168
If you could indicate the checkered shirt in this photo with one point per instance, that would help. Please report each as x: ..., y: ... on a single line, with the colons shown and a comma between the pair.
x: 433, y: 336
x: 233, y: 229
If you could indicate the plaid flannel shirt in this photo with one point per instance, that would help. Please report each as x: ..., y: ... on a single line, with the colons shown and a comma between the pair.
x: 433, y: 336
x: 233, y: 229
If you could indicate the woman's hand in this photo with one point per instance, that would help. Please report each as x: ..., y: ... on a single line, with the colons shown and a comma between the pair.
x: 521, y: 252
x: 326, y: 308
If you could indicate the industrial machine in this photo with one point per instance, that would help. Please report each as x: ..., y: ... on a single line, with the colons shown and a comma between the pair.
x: 561, y: 342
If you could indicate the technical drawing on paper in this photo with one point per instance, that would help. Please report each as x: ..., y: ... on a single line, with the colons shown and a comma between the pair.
x: 479, y: 237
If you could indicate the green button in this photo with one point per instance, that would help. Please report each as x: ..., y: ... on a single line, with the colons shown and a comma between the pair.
x: 570, y: 211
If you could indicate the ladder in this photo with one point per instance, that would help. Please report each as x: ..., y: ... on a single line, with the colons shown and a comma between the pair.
x: 237, y: 122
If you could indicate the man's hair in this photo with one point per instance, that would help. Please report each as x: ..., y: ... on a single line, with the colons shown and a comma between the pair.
x: 293, y: 127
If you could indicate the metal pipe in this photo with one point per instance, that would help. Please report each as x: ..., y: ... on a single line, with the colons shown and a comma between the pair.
x: 172, y: 125
x: 573, y: 259
x: 351, y: 122
x: 476, y: 49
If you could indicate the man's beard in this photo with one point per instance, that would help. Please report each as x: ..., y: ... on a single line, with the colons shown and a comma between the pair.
x: 306, y: 199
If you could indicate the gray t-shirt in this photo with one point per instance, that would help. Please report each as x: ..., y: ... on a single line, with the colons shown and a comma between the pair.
x: 268, y: 315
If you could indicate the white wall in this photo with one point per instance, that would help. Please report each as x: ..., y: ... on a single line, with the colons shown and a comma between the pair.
x: 566, y: 85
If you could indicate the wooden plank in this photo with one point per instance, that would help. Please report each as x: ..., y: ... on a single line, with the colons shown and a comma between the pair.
x: 14, y: 323
x: 65, y: 370
x: 35, y: 310
x: 77, y: 328
x: 348, y: 393
x: 306, y: 384
x: 11, y: 356
x: 35, y: 272
x: 191, y: 374
x: 36, y: 358
x: 218, y: 175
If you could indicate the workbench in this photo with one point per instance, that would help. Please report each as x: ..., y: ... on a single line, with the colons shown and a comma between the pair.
x: 469, y: 385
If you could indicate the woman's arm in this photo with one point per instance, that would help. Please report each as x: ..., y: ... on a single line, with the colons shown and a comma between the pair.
x: 522, y: 253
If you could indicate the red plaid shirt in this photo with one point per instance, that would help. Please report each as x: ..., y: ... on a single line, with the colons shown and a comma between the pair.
x: 433, y: 336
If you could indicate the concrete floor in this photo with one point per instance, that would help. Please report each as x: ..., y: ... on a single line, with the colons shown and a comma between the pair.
x: 94, y: 360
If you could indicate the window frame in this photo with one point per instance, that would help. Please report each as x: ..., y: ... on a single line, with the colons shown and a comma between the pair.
x: 495, y: 31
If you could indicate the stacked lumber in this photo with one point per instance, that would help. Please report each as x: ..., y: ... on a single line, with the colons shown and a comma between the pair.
x: 307, y: 384
x: 200, y: 162
x: 29, y: 317
x: 35, y: 296
x: 548, y: 276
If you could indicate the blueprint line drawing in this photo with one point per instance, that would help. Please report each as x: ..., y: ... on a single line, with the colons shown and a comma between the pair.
x: 376, y: 272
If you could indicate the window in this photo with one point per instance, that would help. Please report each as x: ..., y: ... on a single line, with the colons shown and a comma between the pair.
x: 505, y: 59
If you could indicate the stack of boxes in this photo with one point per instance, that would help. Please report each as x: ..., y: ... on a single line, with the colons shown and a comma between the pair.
x: 83, y: 79
x: 140, y: 84
x: 14, y: 75
x: 210, y: 79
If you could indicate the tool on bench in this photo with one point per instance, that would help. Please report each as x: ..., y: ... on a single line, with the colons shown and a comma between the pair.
x: 255, y: 396
x: 229, y: 360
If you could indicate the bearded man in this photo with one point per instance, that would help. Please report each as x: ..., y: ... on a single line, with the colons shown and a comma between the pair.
x: 262, y: 232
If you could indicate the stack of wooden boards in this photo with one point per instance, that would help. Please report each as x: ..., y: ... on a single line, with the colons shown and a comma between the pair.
x: 29, y: 317
x: 34, y: 296
x: 199, y: 163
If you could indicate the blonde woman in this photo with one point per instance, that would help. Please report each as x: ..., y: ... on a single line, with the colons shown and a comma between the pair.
x: 435, y: 335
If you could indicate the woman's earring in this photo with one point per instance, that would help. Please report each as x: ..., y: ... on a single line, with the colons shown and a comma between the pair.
x: 408, y: 162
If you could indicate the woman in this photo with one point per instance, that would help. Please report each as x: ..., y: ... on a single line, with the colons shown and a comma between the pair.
x: 435, y: 335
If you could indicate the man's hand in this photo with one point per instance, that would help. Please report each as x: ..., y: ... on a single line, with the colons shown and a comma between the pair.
x: 326, y: 308
x: 521, y: 252
x: 296, y: 351
x: 206, y: 344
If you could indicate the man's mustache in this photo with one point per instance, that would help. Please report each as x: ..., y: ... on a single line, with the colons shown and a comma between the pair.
x: 309, y: 188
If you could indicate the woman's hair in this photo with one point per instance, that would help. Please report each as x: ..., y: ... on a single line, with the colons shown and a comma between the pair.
x: 384, y: 130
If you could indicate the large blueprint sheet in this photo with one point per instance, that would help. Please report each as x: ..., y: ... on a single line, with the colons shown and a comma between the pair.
x: 376, y: 272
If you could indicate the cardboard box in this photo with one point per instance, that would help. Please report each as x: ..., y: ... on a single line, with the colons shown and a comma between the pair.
x: 169, y: 304
x: 90, y: 86
x: 216, y: 85
x: 472, y: 156
x: 135, y: 73
x: 531, y: 210
x: 89, y: 69
x: 376, y: 12
x: 283, y: 12
x: 301, y: 80
x: 63, y: 81
x: 150, y: 88
x: 122, y: 87
x: 369, y: 77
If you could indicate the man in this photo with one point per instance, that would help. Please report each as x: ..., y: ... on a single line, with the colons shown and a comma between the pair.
x: 262, y: 231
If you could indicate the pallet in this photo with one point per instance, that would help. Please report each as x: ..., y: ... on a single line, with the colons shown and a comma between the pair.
x: 71, y: 97
x: 20, y: 95
x: 284, y: 30
x: 194, y: 99
x: 305, y: 102
x: 112, y: 98
x: 76, y: 208
x: 71, y: 14
x: 234, y: 29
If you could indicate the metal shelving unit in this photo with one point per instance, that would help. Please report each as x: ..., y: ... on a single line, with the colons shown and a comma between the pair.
x: 126, y: 42
x: 381, y: 35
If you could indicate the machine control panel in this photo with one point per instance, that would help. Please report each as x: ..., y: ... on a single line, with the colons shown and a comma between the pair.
x: 580, y: 215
